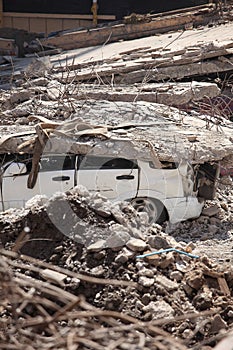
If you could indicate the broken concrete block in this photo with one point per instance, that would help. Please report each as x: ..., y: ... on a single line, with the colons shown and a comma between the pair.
x: 158, y: 242
x: 153, y: 259
x: 19, y: 96
x: 166, y: 283
x: 195, y: 279
x: 176, y: 275
x: 211, y: 211
x: 37, y: 67
x: 167, y: 260
x: 53, y: 276
x: 97, y: 246
x: 159, y: 309
x: 146, y: 281
x: 118, y: 239
x: 137, y: 245
x: 124, y: 255
x: 217, y: 324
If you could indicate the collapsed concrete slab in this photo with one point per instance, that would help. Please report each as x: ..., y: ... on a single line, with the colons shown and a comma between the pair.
x: 172, y: 134
x: 172, y: 94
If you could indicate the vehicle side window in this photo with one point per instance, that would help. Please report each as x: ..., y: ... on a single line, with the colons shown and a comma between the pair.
x: 103, y: 163
x: 119, y: 163
x: 56, y: 163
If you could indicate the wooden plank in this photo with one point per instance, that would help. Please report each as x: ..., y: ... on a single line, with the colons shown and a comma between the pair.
x: 56, y: 15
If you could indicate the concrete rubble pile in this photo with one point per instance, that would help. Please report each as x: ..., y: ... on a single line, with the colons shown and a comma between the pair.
x: 178, y: 298
x: 180, y: 289
x: 148, y: 67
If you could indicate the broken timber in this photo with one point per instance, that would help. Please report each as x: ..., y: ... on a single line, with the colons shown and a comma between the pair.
x: 159, y: 23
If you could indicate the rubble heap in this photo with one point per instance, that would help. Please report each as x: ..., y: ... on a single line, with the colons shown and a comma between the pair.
x: 189, y: 297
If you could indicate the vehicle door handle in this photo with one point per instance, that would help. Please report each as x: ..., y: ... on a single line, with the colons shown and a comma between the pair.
x: 61, y: 178
x: 125, y: 177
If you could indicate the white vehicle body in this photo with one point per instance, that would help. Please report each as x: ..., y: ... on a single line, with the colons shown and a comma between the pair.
x: 170, y: 189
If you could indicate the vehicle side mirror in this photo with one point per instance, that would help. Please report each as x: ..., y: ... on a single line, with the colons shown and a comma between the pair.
x: 15, y: 169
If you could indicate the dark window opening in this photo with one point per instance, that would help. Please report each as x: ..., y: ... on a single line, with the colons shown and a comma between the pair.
x: 103, y: 163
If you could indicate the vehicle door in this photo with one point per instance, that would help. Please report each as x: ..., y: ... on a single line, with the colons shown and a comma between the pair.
x: 115, y: 178
x: 56, y: 174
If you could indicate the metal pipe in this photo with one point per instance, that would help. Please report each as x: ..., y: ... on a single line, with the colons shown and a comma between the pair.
x: 166, y: 251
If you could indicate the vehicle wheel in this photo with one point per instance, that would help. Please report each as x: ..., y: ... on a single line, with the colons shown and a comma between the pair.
x: 153, y: 207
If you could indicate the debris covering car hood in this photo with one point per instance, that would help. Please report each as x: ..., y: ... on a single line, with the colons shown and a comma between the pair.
x: 173, y: 134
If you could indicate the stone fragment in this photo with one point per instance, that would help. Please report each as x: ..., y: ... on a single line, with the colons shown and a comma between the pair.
x: 146, y: 272
x: 53, y: 276
x: 166, y: 283
x: 176, y: 275
x: 190, y: 247
x: 137, y: 245
x: 187, y: 333
x: 118, y: 239
x: 188, y: 290
x: 22, y: 121
x: 153, y: 259
x: 217, y: 324
x: 103, y: 211
x: 136, y: 233
x: 42, y: 81
x: 224, y: 206
x: 119, y: 217
x: 158, y: 242
x: 97, y: 246
x: 146, y: 298
x: 212, y: 229
x: 58, y: 249
x: 19, y: 111
x: 38, y: 67
x: 159, y: 309
x: 167, y: 260
x: 97, y: 271
x: 124, y: 255
x: 202, y: 301
x: 146, y: 281
x: 19, y: 96
x: 211, y: 211
x: 195, y: 279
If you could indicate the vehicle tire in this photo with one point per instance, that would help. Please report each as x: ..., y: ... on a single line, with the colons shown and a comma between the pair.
x: 156, y: 211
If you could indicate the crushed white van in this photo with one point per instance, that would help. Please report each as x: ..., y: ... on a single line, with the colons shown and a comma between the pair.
x: 164, y: 193
x: 118, y: 167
